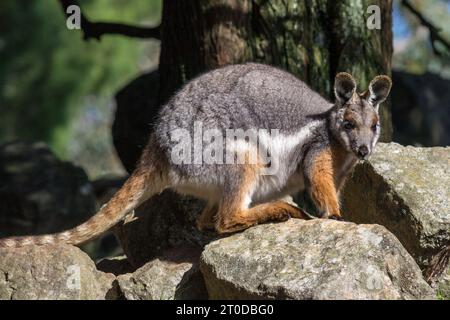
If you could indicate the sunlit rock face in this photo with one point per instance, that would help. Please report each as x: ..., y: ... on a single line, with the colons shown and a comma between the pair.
x: 316, y: 259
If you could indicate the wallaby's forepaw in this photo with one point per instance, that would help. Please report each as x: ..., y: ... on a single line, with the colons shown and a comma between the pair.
x: 326, y: 215
x: 336, y: 217
x: 281, y: 216
x: 232, y: 228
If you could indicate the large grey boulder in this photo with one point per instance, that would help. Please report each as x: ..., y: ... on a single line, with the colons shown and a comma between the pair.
x: 407, y: 190
x: 40, y: 193
x: 175, y: 275
x: 315, y: 259
x: 51, y: 272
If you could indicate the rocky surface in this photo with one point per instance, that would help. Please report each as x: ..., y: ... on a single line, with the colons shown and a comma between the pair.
x: 404, y: 189
x: 316, y: 259
x: 407, y: 190
x: 39, y: 193
x: 51, y: 272
x: 176, y: 275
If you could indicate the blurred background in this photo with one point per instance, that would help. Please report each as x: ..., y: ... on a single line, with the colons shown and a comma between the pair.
x: 65, y: 88
x: 58, y: 88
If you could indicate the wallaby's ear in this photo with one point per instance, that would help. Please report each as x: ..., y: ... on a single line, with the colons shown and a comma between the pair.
x: 379, y: 89
x: 344, y: 87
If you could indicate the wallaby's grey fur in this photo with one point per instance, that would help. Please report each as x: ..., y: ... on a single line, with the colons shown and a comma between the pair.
x: 318, y: 144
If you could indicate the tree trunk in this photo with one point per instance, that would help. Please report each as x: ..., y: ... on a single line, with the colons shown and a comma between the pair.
x: 201, y: 35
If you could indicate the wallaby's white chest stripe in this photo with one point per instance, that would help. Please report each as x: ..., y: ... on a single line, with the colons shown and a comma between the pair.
x: 282, y: 146
x: 280, y: 179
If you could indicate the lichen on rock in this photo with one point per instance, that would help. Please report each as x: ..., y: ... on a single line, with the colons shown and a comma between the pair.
x: 59, y: 272
x: 317, y: 259
x: 407, y: 190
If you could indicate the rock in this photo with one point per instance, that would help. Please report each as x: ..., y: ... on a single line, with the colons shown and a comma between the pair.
x: 165, y: 221
x: 407, y: 190
x: 51, y: 272
x: 173, y: 276
x: 315, y: 259
x: 39, y: 193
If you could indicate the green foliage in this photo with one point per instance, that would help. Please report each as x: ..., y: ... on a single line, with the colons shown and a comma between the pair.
x: 415, y: 54
x: 47, y: 71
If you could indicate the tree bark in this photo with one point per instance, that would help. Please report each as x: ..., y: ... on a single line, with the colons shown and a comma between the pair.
x: 199, y: 35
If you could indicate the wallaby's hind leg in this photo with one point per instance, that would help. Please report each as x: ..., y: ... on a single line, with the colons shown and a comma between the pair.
x: 235, y: 215
x: 243, y: 219
x: 206, y: 219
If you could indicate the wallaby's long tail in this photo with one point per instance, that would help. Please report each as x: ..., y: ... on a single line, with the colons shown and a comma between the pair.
x: 138, y: 188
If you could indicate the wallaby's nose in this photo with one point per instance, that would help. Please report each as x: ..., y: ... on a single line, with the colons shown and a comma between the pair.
x: 363, y: 151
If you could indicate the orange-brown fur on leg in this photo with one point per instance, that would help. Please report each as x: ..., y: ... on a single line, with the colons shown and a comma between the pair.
x: 234, y: 215
x: 243, y: 219
x: 323, y: 184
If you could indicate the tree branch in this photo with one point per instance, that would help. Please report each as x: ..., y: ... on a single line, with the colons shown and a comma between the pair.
x: 434, y: 31
x: 97, y: 29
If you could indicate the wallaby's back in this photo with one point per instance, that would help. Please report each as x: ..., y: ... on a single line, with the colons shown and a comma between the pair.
x: 242, y: 96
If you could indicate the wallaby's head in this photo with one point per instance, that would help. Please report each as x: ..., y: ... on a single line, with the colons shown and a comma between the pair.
x: 354, y: 119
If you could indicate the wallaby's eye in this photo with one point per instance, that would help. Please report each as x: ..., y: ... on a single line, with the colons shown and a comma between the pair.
x: 349, y: 125
x: 374, y: 127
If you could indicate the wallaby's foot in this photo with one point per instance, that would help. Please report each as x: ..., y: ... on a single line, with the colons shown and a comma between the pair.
x: 233, y: 227
x: 296, y: 212
x: 336, y: 217
x: 326, y: 215
x: 275, y: 211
